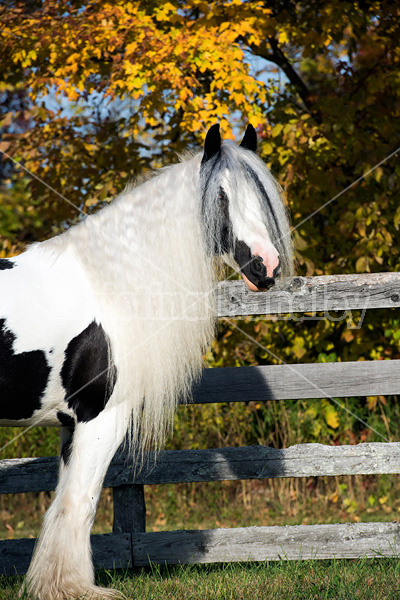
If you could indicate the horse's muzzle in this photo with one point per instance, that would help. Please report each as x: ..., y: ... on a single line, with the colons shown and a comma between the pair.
x: 253, y: 269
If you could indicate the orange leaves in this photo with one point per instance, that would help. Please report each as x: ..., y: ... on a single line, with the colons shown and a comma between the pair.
x: 166, y: 11
x: 165, y: 58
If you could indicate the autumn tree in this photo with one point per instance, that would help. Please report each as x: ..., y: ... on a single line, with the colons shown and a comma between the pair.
x: 113, y: 88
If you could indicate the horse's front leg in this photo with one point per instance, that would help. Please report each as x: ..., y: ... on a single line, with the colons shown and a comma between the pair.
x: 61, y: 566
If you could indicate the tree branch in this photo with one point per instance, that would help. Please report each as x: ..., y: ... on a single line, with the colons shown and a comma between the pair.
x: 281, y: 60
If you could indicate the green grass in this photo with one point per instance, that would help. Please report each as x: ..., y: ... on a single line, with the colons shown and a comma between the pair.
x: 368, y: 579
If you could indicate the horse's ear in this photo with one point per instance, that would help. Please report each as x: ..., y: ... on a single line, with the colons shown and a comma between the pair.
x: 249, y: 140
x: 212, y: 144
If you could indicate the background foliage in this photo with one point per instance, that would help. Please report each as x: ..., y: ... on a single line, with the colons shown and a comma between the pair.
x: 93, y: 93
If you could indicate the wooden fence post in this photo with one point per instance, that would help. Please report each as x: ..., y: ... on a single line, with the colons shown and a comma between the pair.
x: 129, y: 509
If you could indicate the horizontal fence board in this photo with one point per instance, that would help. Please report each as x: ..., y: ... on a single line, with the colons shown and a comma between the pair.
x: 311, y: 294
x: 349, y: 540
x: 294, y: 542
x: 290, y: 382
x: 253, y: 462
x: 109, y: 551
x: 262, y: 462
x: 19, y: 475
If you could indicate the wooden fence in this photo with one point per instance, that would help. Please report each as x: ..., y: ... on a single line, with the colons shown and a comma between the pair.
x: 130, y: 545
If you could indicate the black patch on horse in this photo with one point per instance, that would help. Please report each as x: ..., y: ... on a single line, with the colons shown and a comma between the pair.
x: 66, y: 420
x: 253, y: 266
x: 225, y: 235
x: 85, y: 373
x: 23, y: 378
x: 66, y: 446
x: 6, y: 264
x: 67, y: 435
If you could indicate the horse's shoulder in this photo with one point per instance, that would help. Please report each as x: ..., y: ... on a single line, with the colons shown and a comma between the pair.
x: 88, y: 374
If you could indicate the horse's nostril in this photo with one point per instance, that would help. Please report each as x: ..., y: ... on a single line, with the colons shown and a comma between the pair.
x: 271, y: 283
x: 268, y: 283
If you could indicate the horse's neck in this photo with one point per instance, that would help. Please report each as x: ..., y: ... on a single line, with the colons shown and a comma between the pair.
x: 151, y: 280
x: 157, y: 308
x: 150, y: 235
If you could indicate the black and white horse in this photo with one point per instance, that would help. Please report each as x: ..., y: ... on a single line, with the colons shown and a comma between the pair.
x: 102, y: 328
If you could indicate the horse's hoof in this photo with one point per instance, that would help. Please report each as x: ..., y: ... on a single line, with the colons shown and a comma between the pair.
x: 101, y: 593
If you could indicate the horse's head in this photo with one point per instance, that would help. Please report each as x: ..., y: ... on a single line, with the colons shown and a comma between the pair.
x: 243, y: 212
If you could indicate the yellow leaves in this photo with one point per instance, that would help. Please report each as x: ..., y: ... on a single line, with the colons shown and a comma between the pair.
x: 132, y: 68
x: 164, y: 11
x: 378, y: 174
x: 276, y: 130
x: 238, y: 98
x: 396, y: 218
x: 268, y: 148
x: 256, y: 119
x: 361, y: 227
x: 334, y: 497
x: 227, y: 129
x: 161, y: 58
x: 152, y: 121
x: 283, y: 37
x: 224, y: 26
x: 299, y: 349
x: 218, y: 84
x: 19, y: 56
x: 351, y: 507
x: 73, y: 68
x: 372, y: 402
x: 131, y: 8
x: 185, y: 93
x: 362, y: 264
x: 72, y: 94
x: 331, y: 415
x: 28, y: 58
x: 312, y: 414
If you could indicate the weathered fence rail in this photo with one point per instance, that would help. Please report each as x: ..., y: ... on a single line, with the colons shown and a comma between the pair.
x: 309, y: 294
x: 130, y: 545
x: 224, y: 464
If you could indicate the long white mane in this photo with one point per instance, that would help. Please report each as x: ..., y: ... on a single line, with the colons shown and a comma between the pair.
x: 149, y: 259
x: 153, y: 279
